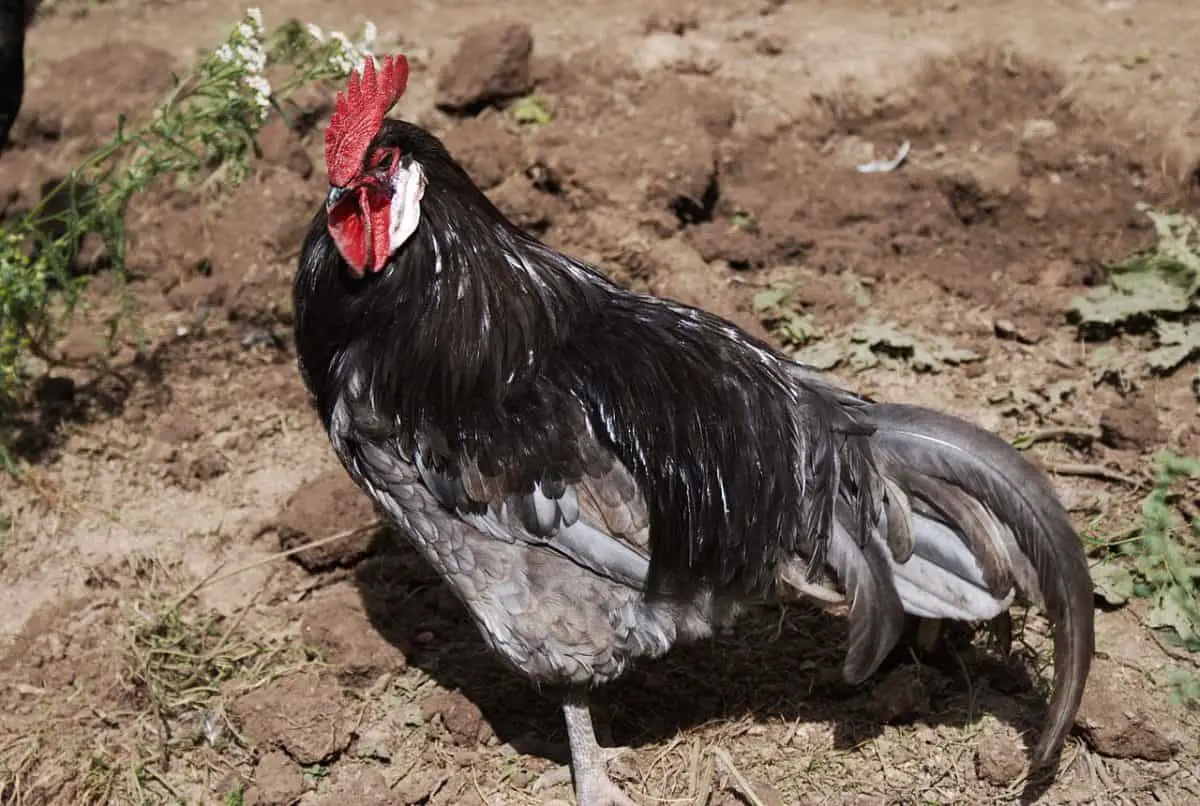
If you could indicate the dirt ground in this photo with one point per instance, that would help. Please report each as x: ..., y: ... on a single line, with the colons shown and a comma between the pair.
x: 705, y: 151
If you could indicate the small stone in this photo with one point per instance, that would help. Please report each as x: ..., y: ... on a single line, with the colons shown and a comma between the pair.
x: 1039, y: 129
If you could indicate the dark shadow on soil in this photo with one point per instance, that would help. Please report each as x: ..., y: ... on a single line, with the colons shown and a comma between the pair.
x: 782, y: 663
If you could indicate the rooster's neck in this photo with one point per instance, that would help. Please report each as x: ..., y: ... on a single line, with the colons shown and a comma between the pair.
x: 483, y: 307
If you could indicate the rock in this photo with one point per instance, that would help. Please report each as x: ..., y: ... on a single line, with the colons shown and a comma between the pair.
x: 278, y: 781
x: 999, y: 759
x: 491, y: 65
x: 325, y: 506
x: 302, y: 714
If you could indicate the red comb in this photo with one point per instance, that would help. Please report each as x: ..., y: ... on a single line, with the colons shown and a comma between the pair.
x: 359, y: 115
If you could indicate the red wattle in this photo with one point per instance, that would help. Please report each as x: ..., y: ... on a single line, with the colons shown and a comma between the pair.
x: 359, y: 225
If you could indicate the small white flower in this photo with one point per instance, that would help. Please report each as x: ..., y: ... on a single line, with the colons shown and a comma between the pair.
x: 256, y: 17
x: 245, y: 31
x: 224, y: 54
x: 252, y: 57
x: 369, y: 32
x: 262, y: 93
x: 315, y: 32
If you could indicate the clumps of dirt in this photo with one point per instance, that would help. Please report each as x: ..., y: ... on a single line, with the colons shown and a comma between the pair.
x: 999, y: 757
x: 1005, y: 181
x: 462, y: 718
x: 304, y: 714
x: 484, y: 146
x: 902, y: 696
x: 334, y: 621
x: 1131, y: 424
x: 651, y: 148
x: 83, y: 95
x: 278, y: 781
x: 328, y: 505
x: 492, y: 64
x: 1118, y: 720
x: 359, y: 784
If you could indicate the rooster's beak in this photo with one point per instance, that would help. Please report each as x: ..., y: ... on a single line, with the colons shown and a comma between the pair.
x: 335, y: 194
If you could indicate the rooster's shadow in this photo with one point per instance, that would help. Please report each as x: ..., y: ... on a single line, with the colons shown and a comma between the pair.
x: 779, y: 664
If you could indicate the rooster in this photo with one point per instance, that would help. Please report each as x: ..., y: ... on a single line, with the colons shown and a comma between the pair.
x: 600, y: 474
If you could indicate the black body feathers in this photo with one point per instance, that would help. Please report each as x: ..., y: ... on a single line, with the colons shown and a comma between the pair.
x: 485, y: 339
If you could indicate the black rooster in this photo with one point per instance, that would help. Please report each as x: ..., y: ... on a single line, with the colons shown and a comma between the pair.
x: 13, y: 19
x: 599, y: 474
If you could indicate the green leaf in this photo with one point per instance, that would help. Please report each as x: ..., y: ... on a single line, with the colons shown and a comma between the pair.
x: 766, y: 300
x: 873, y: 343
x: 1114, y: 583
x: 1163, y: 280
x: 1172, y: 610
x: 820, y: 356
x: 531, y: 110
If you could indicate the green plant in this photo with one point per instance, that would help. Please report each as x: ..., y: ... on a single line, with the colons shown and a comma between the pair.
x: 202, y: 137
x: 1162, y: 563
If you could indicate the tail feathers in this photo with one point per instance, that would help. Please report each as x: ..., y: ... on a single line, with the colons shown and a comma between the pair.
x: 943, y: 580
x: 987, y: 525
x: 876, y: 614
x: 965, y: 525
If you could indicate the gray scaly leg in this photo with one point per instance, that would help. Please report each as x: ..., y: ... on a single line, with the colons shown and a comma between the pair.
x: 593, y: 787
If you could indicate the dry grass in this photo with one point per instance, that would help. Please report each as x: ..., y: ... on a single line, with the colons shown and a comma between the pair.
x: 159, y: 729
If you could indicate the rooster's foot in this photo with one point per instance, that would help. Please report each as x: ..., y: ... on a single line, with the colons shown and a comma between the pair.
x: 562, y: 773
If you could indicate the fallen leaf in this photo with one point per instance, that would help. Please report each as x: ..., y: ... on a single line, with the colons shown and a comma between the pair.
x: 1163, y: 280
x: 1173, y: 610
x: 820, y: 356
x: 1114, y: 583
x: 766, y: 300
x: 1178, y: 342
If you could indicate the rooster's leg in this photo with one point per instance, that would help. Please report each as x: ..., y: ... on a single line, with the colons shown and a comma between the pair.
x: 589, y: 761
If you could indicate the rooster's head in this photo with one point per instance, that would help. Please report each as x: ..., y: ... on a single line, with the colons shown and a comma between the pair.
x: 375, y: 187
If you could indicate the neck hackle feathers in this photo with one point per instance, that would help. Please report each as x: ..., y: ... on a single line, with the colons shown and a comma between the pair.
x: 359, y: 114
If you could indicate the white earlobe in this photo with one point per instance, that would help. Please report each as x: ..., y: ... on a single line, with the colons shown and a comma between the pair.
x: 408, y: 186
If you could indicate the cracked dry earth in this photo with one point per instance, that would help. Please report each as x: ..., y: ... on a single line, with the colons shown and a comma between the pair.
x: 705, y: 151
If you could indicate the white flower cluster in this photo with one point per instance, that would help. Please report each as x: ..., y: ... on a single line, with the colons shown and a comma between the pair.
x: 346, y: 55
x: 245, y: 50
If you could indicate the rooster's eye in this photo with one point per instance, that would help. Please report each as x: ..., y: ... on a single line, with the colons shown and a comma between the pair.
x: 385, y: 159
